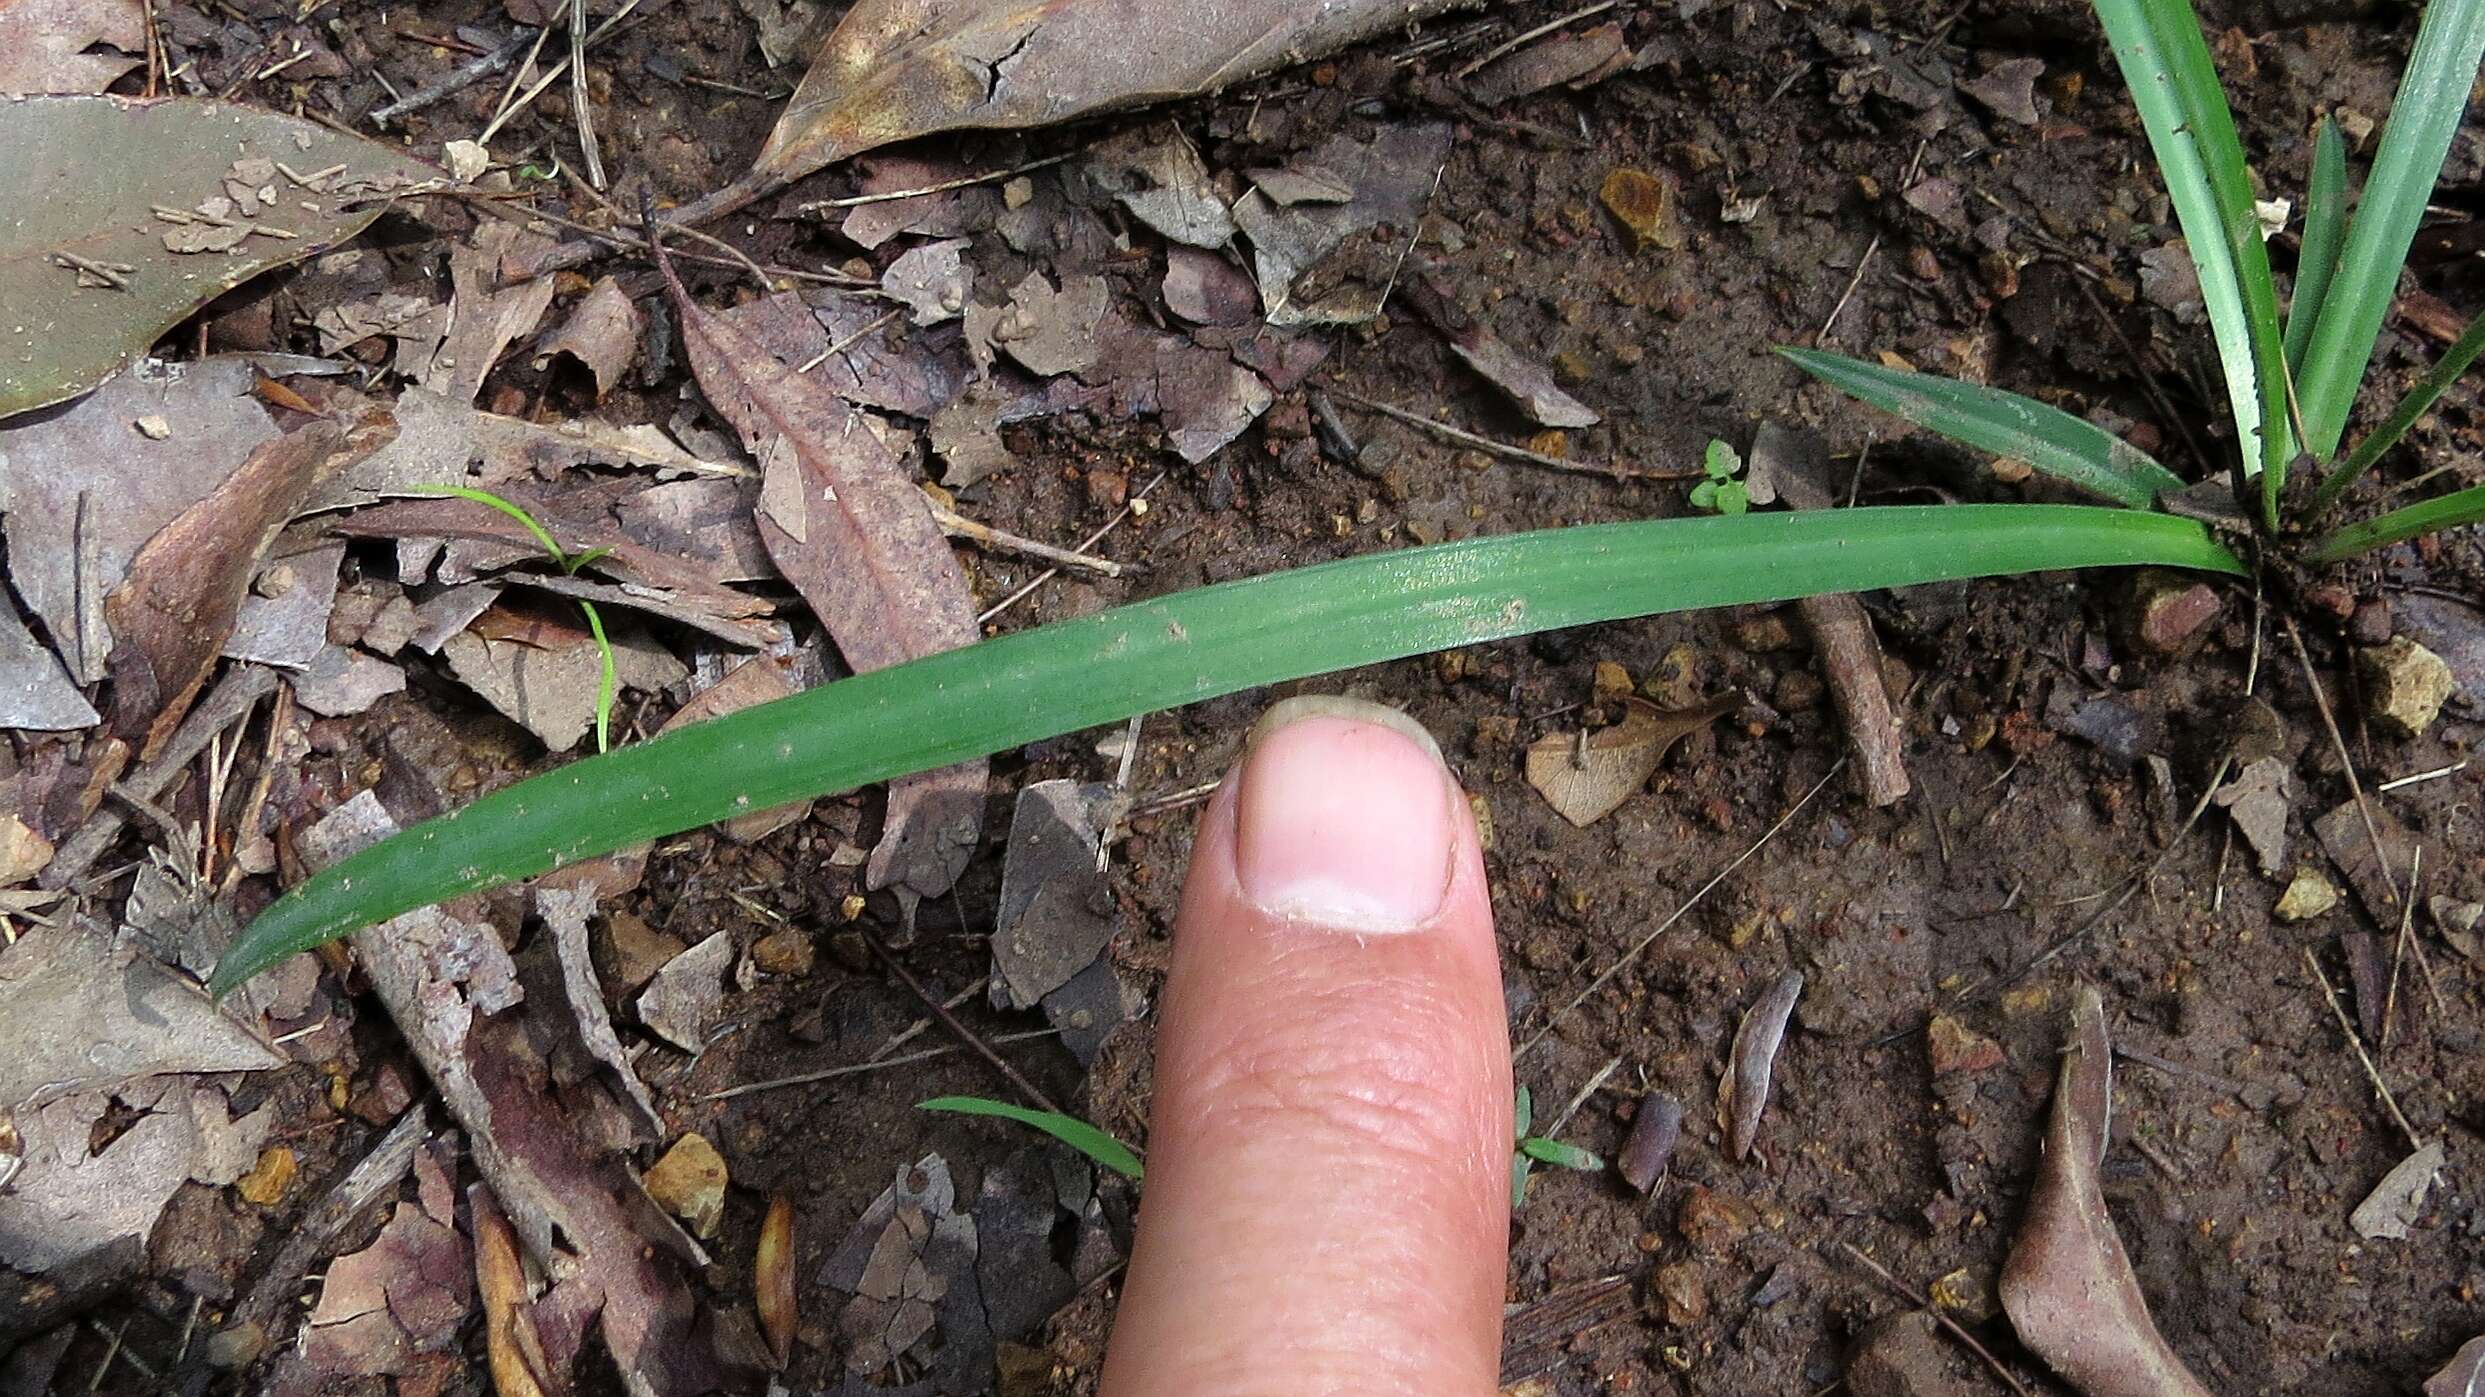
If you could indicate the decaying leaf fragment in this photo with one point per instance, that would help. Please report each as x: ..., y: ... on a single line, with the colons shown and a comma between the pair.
x: 896, y: 69
x: 1743, y: 1095
x: 772, y: 1278
x: 1585, y: 776
x: 510, y: 1343
x: 2068, y: 1287
x: 857, y: 539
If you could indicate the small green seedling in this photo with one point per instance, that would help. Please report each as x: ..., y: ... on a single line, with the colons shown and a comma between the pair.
x: 1537, y: 1149
x: 1069, y: 1130
x: 1721, y: 493
x: 569, y: 564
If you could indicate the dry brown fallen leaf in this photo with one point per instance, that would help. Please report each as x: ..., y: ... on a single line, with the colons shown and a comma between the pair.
x: 896, y: 69
x: 1743, y: 1095
x: 772, y: 1270
x: 1585, y: 777
x: 510, y: 1344
x: 2068, y: 1287
x: 601, y: 333
x: 849, y: 529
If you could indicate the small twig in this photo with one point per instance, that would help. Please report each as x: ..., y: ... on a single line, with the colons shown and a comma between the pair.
x: 1871, y: 249
x: 957, y: 525
x: 1136, y: 505
x: 232, y: 699
x: 112, y: 1350
x: 1688, y: 903
x: 1909, y: 1294
x: 456, y: 80
x: 580, y: 99
x: 518, y: 74
x: 2364, y: 807
x: 1603, y: 1074
x: 554, y: 76
x: 1507, y: 451
x: 91, y: 272
x: 856, y: 1069
x: 852, y: 201
x: 2398, y: 950
x: 965, y: 1035
x: 2434, y: 775
x: 1518, y: 41
x: 2347, y: 1026
x: 848, y: 341
x: 629, y: 220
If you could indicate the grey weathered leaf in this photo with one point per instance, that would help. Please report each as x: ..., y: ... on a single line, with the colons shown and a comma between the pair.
x: 2396, y: 1201
x: 2464, y: 1375
x: 85, y: 177
x: 896, y: 69
x: 2068, y: 1287
x: 44, y: 44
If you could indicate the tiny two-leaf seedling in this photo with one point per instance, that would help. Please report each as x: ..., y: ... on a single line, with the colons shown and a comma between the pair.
x: 1537, y: 1149
x: 1721, y: 492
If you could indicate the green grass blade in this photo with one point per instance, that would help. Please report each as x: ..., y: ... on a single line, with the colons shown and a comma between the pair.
x: 607, y: 682
x: 2445, y: 371
x: 1178, y: 649
x: 1558, y: 1154
x: 2433, y: 96
x: 2325, y: 227
x: 2432, y: 516
x: 1069, y: 1130
x: 2166, y: 65
x: 2006, y: 424
x: 552, y: 546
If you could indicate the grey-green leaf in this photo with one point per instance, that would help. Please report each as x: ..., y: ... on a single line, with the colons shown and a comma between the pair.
x: 89, y: 277
x: 2006, y: 424
x: 2325, y: 227
x: 1558, y: 1154
x: 1069, y: 1130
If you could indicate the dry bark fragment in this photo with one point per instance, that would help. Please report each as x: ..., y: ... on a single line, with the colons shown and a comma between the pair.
x: 2068, y: 1287
x: 857, y: 539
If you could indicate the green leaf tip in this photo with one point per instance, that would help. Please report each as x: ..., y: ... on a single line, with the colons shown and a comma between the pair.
x: 1069, y: 1130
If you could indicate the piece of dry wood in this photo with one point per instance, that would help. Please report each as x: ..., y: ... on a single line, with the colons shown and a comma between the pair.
x: 856, y: 537
x: 1850, y: 659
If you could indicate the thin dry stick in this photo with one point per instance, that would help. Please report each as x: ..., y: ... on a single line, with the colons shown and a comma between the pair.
x: 851, y: 201
x: 2364, y: 807
x: 1507, y: 451
x: 1529, y: 37
x: 1137, y: 505
x: 965, y: 1035
x: 2347, y: 1026
x: 2408, y: 946
x: 1693, y: 901
x: 1821, y: 336
x: 554, y: 76
x: 518, y: 74
x: 2422, y: 776
x: 1908, y: 1293
x: 579, y: 98
x: 856, y: 1069
x: 957, y: 525
x: 1554, y: 1131
x: 625, y: 219
x: 841, y: 345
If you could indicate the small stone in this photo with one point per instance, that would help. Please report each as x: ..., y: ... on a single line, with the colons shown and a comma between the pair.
x: 1796, y: 691
x: 1683, y: 1291
x: 2171, y: 611
x: 1675, y: 683
x: 1764, y: 633
x: 2309, y: 894
x: 635, y: 951
x: 2371, y: 624
x: 1642, y: 203
x: 1967, y: 1293
x: 2458, y: 922
x: 237, y: 1347
x: 2405, y: 685
x: 154, y: 428
x: 1957, y: 1048
x: 465, y: 160
x: 1612, y: 682
x: 689, y: 1183
x: 267, y: 1180
x: 1713, y: 1221
x: 1107, y: 489
x: 785, y: 952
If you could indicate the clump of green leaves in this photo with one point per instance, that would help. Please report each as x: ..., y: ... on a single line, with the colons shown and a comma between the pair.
x: 569, y: 563
x: 1538, y: 1149
x: 1069, y: 1130
x: 1721, y: 492
x: 2292, y: 381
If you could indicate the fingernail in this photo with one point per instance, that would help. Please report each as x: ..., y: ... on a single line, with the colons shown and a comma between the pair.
x: 1343, y: 817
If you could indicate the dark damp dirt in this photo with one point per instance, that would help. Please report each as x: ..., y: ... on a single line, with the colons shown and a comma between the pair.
x: 1875, y: 208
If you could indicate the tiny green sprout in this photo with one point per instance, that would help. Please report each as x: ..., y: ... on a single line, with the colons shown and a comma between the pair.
x: 569, y: 564
x: 1069, y: 1130
x: 1721, y: 493
x: 1537, y: 1149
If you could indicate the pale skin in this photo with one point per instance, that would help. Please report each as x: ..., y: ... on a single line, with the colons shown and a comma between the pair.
x: 1327, y: 1201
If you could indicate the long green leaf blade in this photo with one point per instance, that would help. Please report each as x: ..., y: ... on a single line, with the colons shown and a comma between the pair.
x: 2431, y: 516
x: 2173, y: 83
x: 2325, y: 227
x: 2005, y: 424
x: 2445, y: 371
x: 1179, y: 649
x: 2433, y: 96
x: 1069, y: 1130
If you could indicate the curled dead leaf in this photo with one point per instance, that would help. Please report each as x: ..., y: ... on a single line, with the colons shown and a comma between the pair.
x: 2068, y: 1287
x: 1744, y: 1093
x: 1585, y: 776
x: 773, y: 1278
x: 510, y: 1344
